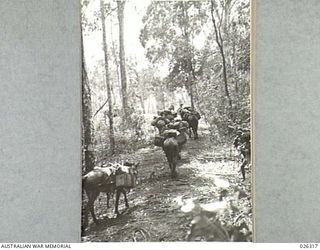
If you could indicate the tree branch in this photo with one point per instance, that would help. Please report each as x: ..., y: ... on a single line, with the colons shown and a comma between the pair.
x: 101, y: 107
x: 111, y: 10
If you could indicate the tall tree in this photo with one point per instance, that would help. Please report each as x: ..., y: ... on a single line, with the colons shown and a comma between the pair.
x: 115, y: 60
x: 122, y: 57
x: 107, y: 78
x: 227, y: 70
x: 87, y: 130
x: 219, y: 42
x: 186, y: 33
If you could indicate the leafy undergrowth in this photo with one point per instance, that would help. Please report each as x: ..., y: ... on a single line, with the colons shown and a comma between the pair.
x: 207, y: 202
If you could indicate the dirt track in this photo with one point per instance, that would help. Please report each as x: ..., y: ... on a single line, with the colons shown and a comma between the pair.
x: 154, y: 213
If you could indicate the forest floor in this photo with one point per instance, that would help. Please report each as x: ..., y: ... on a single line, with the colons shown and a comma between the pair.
x: 154, y: 213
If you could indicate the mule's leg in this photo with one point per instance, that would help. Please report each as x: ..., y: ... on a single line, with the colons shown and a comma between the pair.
x: 116, y: 211
x: 195, y: 130
x: 171, y: 169
x: 190, y: 132
x: 168, y: 159
x: 91, y: 206
x: 179, y: 155
x: 125, y: 198
x: 174, y: 172
x: 108, y: 199
x: 92, y: 196
x: 91, y: 201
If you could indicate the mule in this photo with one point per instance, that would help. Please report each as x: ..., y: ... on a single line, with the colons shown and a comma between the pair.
x: 171, y: 149
x: 193, y: 124
x: 103, y: 180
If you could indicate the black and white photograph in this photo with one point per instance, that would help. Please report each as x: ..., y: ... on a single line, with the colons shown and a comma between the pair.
x: 166, y: 121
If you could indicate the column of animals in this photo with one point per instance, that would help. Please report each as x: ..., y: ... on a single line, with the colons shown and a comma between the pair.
x: 173, y: 130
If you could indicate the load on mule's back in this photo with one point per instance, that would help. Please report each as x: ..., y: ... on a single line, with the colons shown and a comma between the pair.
x: 181, y: 130
x: 171, y: 137
x: 164, y: 117
x: 192, y: 117
x: 118, y: 178
x: 161, y: 122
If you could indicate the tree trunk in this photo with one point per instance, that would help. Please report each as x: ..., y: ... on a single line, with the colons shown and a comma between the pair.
x: 220, y: 45
x: 114, y: 55
x: 235, y: 66
x: 141, y: 99
x: 191, y: 73
x: 160, y: 98
x: 191, y: 96
x: 194, y: 79
x: 123, y: 76
x: 105, y: 49
x: 87, y: 130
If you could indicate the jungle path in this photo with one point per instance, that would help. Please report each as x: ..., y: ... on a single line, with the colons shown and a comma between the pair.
x: 154, y: 213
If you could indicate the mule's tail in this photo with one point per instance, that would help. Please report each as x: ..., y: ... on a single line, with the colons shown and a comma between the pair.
x: 172, y: 155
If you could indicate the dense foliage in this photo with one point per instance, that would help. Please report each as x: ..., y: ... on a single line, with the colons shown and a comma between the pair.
x: 182, y: 33
x: 181, y: 36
